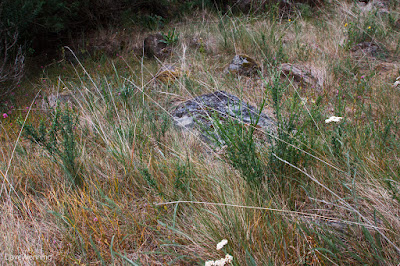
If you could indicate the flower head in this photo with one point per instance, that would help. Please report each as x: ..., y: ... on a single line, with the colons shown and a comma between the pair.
x: 222, y: 244
x: 333, y: 119
x: 346, y: 25
x: 221, y: 262
x: 5, y: 115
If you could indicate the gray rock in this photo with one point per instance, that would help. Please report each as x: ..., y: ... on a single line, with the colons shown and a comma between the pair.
x: 51, y: 101
x: 243, y: 65
x: 381, y: 7
x: 201, y: 111
x: 300, y: 74
x: 169, y: 73
x: 155, y: 46
x: 368, y: 49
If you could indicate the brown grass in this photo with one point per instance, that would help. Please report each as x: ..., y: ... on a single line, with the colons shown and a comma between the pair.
x: 327, y: 207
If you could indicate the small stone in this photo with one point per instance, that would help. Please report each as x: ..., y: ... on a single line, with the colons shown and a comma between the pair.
x: 155, y: 46
x: 367, y: 48
x: 300, y: 74
x: 196, y: 42
x: 63, y: 98
x: 243, y: 65
x: 169, y: 73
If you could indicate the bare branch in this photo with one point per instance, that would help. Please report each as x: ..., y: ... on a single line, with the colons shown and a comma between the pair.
x: 12, y: 60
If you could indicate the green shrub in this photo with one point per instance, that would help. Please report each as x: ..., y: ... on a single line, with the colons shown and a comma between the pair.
x: 171, y: 38
x: 151, y: 22
x: 59, y: 140
x: 297, y: 133
x: 240, y: 146
x: 365, y: 29
x: 37, y: 18
x: 241, y: 150
x: 42, y: 24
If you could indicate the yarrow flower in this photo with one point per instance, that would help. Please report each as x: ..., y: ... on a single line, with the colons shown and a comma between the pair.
x: 222, y: 244
x: 397, y: 83
x: 221, y: 262
x: 333, y: 119
x: 304, y: 100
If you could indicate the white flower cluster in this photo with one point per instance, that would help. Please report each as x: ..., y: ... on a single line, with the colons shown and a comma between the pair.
x: 221, y: 262
x: 222, y: 244
x: 397, y: 83
x: 333, y: 119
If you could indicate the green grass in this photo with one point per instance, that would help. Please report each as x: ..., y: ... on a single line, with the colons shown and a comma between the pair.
x: 310, y: 193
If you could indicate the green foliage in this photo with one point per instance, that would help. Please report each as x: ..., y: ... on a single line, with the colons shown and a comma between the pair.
x: 305, y: 11
x: 40, y: 22
x: 151, y: 182
x: 126, y: 92
x: 159, y: 124
x: 240, y: 146
x: 7, y: 104
x: 59, y: 139
x: 184, y: 175
x: 365, y: 29
x: 296, y: 131
x: 222, y: 26
x: 171, y: 38
x: 39, y: 17
x: 151, y: 22
x: 190, y: 6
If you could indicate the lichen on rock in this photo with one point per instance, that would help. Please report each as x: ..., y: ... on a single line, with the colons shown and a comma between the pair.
x: 243, y: 65
x: 300, y: 74
x: 201, y: 111
x: 169, y: 73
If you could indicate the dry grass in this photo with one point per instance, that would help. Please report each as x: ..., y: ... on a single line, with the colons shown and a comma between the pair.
x: 328, y: 197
